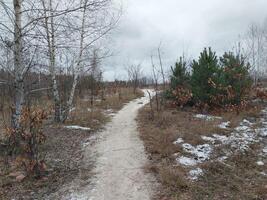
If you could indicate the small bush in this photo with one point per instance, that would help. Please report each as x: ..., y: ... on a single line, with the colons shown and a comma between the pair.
x: 182, y: 96
x: 24, y: 143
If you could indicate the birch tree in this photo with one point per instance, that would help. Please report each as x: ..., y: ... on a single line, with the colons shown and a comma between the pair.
x: 19, y: 41
x: 255, y: 48
x: 81, y: 30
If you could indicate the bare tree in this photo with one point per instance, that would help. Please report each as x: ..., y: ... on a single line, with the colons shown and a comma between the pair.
x: 161, y: 68
x: 134, y: 75
x: 255, y: 48
x: 20, y: 42
x: 81, y: 30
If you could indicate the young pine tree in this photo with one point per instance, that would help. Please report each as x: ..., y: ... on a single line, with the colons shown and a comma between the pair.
x: 180, y: 76
x: 235, y: 76
x: 204, y: 76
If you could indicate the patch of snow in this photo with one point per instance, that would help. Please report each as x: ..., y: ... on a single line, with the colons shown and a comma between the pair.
x: 240, y: 139
x: 78, y: 128
x: 72, y: 109
x: 95, y: 121
x: 242, y: 128
x: 186, y: 161
x: 109, y: 110
x: 195, y: 173
x: 260, y: 163
x: 201, y: 152
x: 209, y: 139
x: 261, y: 132
x: 89, y: 109
x: 246, y: 122
x: 264, y: 150
x: 207, y: 117
x: 222, y: 158
x: 221, y: 138
x: 224, y: 125
x: 178, y: 141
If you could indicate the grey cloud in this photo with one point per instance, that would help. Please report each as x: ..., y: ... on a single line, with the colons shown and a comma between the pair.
x: 181, y: 25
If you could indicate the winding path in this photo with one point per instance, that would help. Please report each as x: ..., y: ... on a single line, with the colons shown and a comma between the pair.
x: 119, y: 158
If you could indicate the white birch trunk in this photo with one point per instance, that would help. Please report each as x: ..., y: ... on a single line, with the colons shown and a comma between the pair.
x: 50, y: 37
x: 18, y: 68
x: 77, y: 67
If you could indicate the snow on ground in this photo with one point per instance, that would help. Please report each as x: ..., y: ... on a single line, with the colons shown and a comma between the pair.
x: 109, y: 112
x: 78, y: 128
x: 72, y: 109
x: 262, y: 131
x: 224, y: 125
x: 199, y: 152
x: 239, y: 140
x: 178, y: 141
x: 195, y: 173
x: 186, y: 161
x: 207, y: 117
x: 260, y: 163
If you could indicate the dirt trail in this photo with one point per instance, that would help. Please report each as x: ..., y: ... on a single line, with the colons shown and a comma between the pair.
x: 119, y: 158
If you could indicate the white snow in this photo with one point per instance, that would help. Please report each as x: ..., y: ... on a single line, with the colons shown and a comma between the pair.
x: 78, y: 128
x: 200, y: 152
x: 207, y: 117
x: 72, y: 109
x: 260, y: 163
x: 195, y: 173
x: 222, y: 158
x: 224, y: 125
x: 178, y: 141
x: 209, y: 139
x: 239, y: 140
x: 262, y: 131
x: 186, y: 161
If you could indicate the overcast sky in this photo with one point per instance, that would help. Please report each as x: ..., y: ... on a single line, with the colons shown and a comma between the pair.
x: 181, y: 26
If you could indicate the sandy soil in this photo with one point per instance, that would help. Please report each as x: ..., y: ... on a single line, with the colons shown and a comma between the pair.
x: 119, y: 157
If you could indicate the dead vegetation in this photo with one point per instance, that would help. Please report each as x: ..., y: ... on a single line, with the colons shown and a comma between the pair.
x: 62, y: 150
x: 239, y: 177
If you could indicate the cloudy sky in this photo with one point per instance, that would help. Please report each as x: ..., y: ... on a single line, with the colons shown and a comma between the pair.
x: 181, y: 26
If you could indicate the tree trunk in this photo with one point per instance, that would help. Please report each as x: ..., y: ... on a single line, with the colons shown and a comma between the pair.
x: 77, y: 68
x: 71, y: 97
x: 50, y: 37
x: 18, y: 69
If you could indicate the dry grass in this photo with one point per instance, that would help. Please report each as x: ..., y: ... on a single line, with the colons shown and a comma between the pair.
x: 239, y: 178
x: 94, y: 115
x: 63, y: 150
x: 219, y: 182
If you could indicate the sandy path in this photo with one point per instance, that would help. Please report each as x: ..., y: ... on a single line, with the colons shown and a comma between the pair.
x: 119, y: 161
